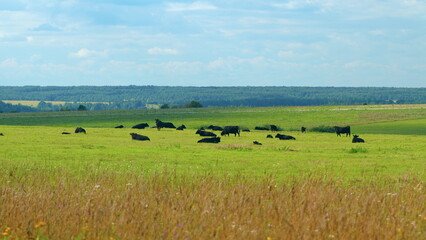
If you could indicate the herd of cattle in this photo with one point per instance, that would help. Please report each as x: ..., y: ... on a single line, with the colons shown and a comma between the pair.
x: 211, y: 137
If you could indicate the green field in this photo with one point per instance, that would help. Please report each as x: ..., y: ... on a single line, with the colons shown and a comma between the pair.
x: 104, y: 185
x: 392, y: 148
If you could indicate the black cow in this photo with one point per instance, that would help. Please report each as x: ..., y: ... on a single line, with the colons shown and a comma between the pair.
x: 357, y: 139
x: 1, y: 134
x: 284, y: 137
x: 274, y: 128
x: 269, y: 136
x: 161, y: 124
x: 205, y: 133
x: 66, y: 133
x: 141, y: 126
x: 303, y: 129
x: 80, y: 130
x: 210, y: 140
x: 215, y: 128
x: 257, y: 143
x: 230, y: 129
x: 245, y: 130
x: 261, y: 128
x: 119, y: 126
x: 181, y: 127
x: 340, y: 130
x: 139, y: 137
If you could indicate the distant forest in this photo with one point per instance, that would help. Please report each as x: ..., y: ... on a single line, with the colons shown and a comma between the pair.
x: 139, y: 97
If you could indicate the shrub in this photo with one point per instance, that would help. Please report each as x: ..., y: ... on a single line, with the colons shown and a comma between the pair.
x: 323, y: 128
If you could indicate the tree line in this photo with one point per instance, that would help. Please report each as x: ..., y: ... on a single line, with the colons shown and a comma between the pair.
x: 139, y: 97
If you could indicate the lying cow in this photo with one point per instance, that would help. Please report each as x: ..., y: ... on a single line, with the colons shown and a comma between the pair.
x: 230, y: 129
x: 215, y: 128
x: 160, y: 124
x: 257, y: 143
x: 66, y: 133
x: 139, y: 137
x: 357, y: 139
x: 181, y: 127
x: 80, y: 130
x: 346, y: 130
x: 269, y: 136
x: 141, y: 126
x: 205, y: 133
x: 119, y: 126
x: 284, y: 137
x: 1, y: 134
x: 210, y: 140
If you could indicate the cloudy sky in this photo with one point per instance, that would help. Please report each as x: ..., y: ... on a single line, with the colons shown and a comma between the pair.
x: 213, y: 42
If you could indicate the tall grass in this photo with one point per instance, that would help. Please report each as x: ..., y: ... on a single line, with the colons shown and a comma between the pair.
x: 57, y: 205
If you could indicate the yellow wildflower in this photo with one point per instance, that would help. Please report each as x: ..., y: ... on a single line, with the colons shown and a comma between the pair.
x: 5, y: 234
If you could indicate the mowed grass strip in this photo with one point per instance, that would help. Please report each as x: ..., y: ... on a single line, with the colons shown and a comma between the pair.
x: 413, y: 127
x: 54, y: 204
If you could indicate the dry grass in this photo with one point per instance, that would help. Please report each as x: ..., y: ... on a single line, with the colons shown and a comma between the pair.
x: 58, y: 205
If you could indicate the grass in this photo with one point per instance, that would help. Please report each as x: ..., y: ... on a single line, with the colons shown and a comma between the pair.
x: 103, y: 185
x: 52, y: 204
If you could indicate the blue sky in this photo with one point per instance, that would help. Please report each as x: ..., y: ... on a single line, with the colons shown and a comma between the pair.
x: 213, y: 43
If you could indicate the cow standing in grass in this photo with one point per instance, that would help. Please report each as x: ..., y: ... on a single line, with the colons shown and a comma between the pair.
x: 346, y: 130
x: 230, y: 129
x: 303, y: 129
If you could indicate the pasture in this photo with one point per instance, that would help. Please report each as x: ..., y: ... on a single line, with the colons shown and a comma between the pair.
x: 103, y: 185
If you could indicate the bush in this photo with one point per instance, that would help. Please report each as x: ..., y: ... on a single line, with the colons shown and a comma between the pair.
x: 322, y: 128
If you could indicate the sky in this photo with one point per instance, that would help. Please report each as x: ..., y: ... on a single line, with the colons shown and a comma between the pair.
x: 363, y: 43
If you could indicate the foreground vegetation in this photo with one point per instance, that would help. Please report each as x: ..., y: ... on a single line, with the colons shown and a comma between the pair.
x: 52, y: 204
x: 103, y: 185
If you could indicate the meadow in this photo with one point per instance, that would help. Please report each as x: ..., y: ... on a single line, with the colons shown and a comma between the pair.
x: 103, y: 185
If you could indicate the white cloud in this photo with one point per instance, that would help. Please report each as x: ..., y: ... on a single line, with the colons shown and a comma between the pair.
x: 84, y: 53
x: 195, y: 6
x: 285, y: 53
x: 162, y: 51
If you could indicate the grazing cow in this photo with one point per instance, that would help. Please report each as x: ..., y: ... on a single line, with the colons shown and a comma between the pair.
x: 181, y: 127
x: 261, y: 128
x: 119, y: 126
x: 274, y: 128
x: 205, y: 133
x: 357, y: 139
x: 284, y: 137
x: 139, y: 137
x: 215, y: 128
x: 303, y: 129
x: 230, y: 129
x: 141, y: 126
x: 80, y: 130
x: 161, y: 124
x: 346, y: 130
x: 66, y: 133
x: 257, y: 143
x: 269, y: 136
x: 210, y: 140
